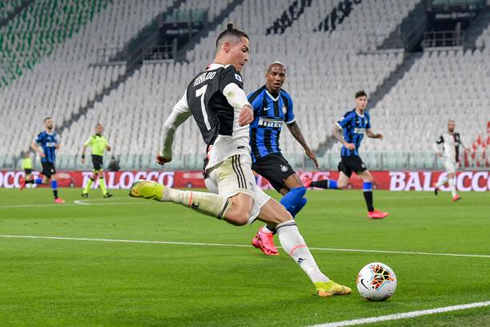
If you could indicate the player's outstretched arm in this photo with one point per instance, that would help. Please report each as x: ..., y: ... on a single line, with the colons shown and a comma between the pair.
x: 180, y: 113
x: 337, y: 133
x: 36, y: 148
x: 294, y: 129
x: 84, y: 148
x: 372, y: 135
x: 437, y: 146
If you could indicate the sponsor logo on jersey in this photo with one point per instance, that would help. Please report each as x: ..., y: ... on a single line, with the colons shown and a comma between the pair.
x: 270, y: 123
x: 51, y: 144
x: 359, y: 130
x: 204, y: 77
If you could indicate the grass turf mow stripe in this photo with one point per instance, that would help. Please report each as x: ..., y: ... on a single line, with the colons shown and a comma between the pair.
x: 236, y: 245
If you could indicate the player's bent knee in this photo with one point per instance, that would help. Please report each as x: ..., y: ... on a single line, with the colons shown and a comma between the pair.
x: 237, y: 218
x: 300, y: 191
x: 341, y: 186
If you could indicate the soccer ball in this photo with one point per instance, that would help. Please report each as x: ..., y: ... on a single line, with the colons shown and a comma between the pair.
x: 376, y: 282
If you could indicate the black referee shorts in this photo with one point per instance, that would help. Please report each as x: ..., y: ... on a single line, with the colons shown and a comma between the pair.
x: 274, y: 168
x: 350, y: 164
x: 48, y: 169
x: 97, y: 161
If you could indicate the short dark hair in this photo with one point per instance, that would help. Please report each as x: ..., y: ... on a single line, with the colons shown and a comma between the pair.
x: 232, y: 31
x: 275, y: 63
x: 46, y: 118
x: 361, y: 93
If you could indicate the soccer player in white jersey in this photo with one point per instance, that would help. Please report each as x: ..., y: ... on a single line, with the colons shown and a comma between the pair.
x: 447, y: 148
x: 219, y: 106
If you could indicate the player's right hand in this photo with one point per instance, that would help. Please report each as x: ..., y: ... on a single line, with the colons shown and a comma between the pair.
x: 162, y: 161
x: 350, y: 146
x: 246, y: 115
x: 42, y: 155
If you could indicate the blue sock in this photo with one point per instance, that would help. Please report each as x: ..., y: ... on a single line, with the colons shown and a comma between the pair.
x: 54, y: 186
x: 38, y: 181
x: 325, y: 183
x: 367, y: 186
x: 297, y: 208
x: 293, y: 199
x: 368, y: 195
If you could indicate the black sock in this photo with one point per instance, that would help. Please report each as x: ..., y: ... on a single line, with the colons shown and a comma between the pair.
x: 30, y: 181
x: 55, y: 192
x: 272, y: 229
x: 368, y: 196
x: 320, y: 184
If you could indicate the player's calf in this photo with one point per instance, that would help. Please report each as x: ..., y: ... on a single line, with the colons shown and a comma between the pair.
x: 206, y: 203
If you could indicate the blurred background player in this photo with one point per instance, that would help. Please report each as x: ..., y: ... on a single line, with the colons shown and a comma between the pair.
x: 219, y: 106
x: 98, y: 144
x: 350, y: 131
x: 447, y: 148
x: 46, y: 145
x: 27, y: 167
x: 113, y: 164
x: 272, y: 107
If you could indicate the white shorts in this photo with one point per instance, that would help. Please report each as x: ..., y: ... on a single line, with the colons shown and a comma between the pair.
x: 233, y: 176
x: 450, y: 165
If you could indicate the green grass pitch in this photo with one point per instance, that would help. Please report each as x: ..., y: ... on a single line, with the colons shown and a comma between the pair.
x: 50, y: 282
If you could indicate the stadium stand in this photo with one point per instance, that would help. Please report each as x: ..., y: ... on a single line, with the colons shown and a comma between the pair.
x: 325, y: 68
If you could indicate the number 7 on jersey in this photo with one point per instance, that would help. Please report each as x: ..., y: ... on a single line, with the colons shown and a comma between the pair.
x: 200, y: 93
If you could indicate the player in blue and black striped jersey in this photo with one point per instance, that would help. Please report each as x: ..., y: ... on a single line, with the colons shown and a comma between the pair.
x: 46, y: 144
x: 272, y: 107
x: 350, y: 130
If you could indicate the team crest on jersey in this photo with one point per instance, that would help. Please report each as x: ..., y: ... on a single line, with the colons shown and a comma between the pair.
x: 284, y: 168
x: 238, y: 78
x: 284, y: 109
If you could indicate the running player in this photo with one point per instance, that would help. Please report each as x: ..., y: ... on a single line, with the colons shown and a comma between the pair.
x: 46, y: 145
x: 273, y: 106
x: 450, y: 142
x: 350, y: 130
x: 220, y: 108
x: 98, y: 145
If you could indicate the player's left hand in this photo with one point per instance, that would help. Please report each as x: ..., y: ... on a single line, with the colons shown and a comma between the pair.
x: 162, y: 161
x: 312, y: 156
x: 246, y: 115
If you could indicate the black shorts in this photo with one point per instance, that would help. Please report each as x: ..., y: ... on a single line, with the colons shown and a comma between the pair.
x: 97, y: 162
x: 351, y: 164
x: 28, y: 171
x: 274, y: 168
x: 48, y: 169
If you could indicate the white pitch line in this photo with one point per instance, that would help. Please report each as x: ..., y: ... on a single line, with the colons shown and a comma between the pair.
x: 235, y: 245
x: 120, y: 241
x: 76, y: 202
x: 406, y: 315
x: 405, y: 252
